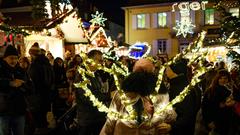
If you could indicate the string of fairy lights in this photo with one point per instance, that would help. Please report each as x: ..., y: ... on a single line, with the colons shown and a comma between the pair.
x: 117, y: 69
x: 131, y: 115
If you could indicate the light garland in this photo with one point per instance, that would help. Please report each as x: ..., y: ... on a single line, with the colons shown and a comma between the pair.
x: 197, y: 44
x: 187, y: 89
x: 94, y: 100
x: 115, y: 69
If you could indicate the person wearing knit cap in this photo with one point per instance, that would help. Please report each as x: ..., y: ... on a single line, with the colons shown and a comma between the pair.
x: 12, y: 103
x: 138, y: 86
x: 41, y: 73
x: 10, y: 50
x: 34, y: 51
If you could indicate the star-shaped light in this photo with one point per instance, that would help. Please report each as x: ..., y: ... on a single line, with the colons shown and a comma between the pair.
x: 98, y: 19
x: 183, y: 28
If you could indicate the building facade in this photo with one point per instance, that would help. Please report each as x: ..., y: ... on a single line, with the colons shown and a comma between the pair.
x: 155, y: 24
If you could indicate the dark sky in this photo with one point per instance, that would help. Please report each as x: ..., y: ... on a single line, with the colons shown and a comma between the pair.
x: 112, y: 10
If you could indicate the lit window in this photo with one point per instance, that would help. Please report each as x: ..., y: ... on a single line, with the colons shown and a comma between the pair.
x: 162, y: 45
x: 141, y: 21
x: 234, y: 11
x: 162, y: 19
x: 209, y: 16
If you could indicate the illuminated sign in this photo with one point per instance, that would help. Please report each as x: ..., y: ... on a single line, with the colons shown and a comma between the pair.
x: 139, y: 50
x: 185, y: 25
x: 187, y: 5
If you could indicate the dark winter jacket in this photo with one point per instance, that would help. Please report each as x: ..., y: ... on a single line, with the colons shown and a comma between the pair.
x: 42, y: 75
x: 212, y: 112
x: 186, y: 110
x: 12, y: 100
x: 88, y: 114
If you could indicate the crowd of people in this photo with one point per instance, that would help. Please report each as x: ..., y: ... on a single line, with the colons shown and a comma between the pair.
x: 32, y: 87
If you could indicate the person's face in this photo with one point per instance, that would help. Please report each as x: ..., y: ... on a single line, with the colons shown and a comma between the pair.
x: 79, y: 60
x: 22, y: 63
x: 223, y: 80
x: 60, y: 62
x: 11, y: 60
x: 98, y: 60
x: 108, y: 63
x: 124, y: 61
x: 49, y: 56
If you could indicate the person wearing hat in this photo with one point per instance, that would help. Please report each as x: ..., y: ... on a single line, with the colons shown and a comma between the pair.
x: 186, y: 110
x: 12, y: 102
x: 42, y: 75
x: 34, y: 51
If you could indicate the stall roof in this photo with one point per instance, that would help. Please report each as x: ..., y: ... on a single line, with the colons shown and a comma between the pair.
x: 17, y: 17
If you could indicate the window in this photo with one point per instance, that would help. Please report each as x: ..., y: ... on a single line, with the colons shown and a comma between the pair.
x: 162, y: 19
x: 209, y: 16
x: 141, y: 21
x: 162, y: 46
x: 234, y: 11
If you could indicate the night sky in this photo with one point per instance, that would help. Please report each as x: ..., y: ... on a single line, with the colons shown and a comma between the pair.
x: 112, y: 9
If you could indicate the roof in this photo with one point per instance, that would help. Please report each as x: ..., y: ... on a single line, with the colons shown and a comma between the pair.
x: 24, y: 20
x: 21, y: 17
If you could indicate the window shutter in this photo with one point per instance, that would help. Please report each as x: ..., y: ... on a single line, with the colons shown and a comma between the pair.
x: 155, y: 20
x: 192, y: 13
x: 155, y: 47
x: 134, y: 22
x: 147, y: 20
x: 217, y: 17
x: 169, y: 19
x: 168, y: 46
x: 202, y: 17
x: 177, y: 16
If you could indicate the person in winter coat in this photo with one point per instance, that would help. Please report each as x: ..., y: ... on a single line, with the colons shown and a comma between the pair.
x: 138, y: 87
x: 186, y: 110
x: 89, y: 119
x: 12, y: 102
x: 218, y: 103
x: 42, y: 75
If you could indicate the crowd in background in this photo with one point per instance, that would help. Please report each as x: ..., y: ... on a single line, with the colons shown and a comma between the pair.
x: 31, y: 87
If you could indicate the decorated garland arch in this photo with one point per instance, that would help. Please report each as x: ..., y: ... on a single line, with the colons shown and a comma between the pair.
x: 114, y: 70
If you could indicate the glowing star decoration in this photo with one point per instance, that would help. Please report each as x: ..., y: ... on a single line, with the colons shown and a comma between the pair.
x: 184, y: 27
x: 139, y: 50
x: 98, y: 19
